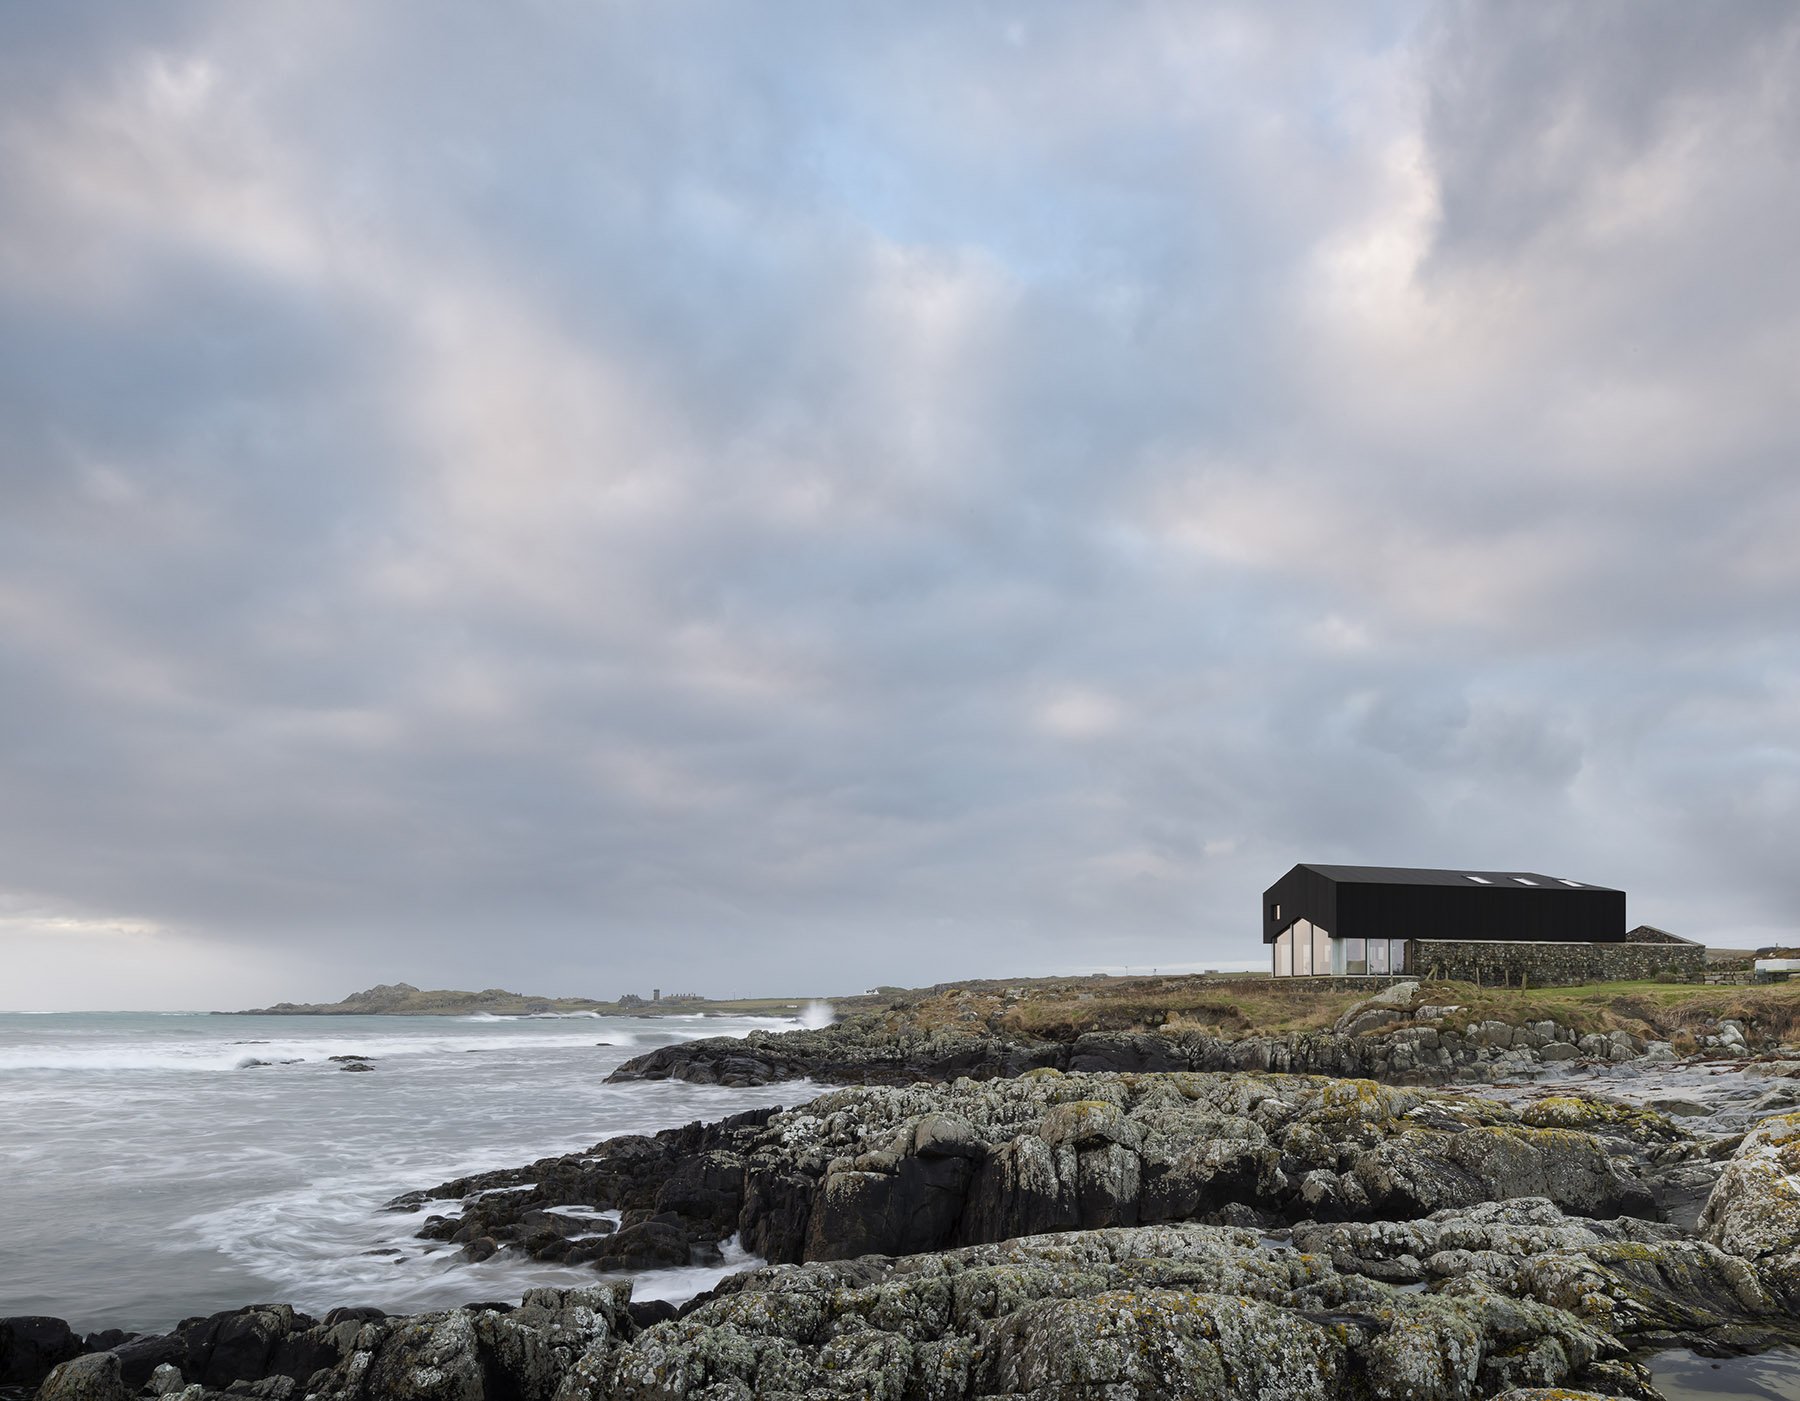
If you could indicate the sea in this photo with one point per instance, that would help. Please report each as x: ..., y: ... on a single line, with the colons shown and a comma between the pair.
x: 159, y: 1166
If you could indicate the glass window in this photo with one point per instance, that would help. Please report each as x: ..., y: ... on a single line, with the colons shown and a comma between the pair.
x: 1378, y: 951
x: 1302, y: 949
x: 1356, y: 956
x: 1321, y: 950
x: 1284, y: 954
x: 1397, y: 956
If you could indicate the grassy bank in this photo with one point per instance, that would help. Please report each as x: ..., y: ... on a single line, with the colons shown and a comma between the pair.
x: 1061, y: 1008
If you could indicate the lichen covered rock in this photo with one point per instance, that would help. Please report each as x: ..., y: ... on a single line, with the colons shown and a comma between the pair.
x: 1170, y: 1311
x: 1754, y: 1210
x: 897, y: 1170
x: 94, y: 1377
x: 527, y: 1353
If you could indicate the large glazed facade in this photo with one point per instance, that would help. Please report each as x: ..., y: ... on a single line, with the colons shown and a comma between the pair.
x: 1377, y: 920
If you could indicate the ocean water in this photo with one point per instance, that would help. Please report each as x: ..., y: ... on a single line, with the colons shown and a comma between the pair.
x: 1681, y: 1375
x: 151, y: 1171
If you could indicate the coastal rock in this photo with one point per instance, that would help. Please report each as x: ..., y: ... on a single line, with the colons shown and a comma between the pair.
x: 1554, y: 1393
x: 1151, y: 1311
x: 1460, y: 1306
x: 645, y: 1246
x: 523, y: 1354
x: 141, y: 1357
x: 94, y: 1377
x: 31, y: 1345
x: 891, y: 1171
x: 1381, y: 1038
x: 1388, y: 1007
x: 239, y: 1345
x: 1636, y: 1279
x: 1419, y: 1171
x: 1754, y: 1209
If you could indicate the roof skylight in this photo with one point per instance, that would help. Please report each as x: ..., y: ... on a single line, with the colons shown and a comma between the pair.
x: 1523, y: 881
x: 1572, y: 884
x: 1479, y: 880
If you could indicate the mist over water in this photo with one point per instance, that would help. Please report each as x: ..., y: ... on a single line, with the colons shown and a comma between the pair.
x: 151, y: 1169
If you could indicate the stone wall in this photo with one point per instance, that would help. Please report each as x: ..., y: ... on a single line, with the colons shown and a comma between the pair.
x: 1554, y: 965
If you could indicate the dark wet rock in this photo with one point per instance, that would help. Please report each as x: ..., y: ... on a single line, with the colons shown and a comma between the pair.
x: 881, y: 1170
x: 646, y: 1313
x: 707, y: 1188
x: 358, y: 1314
x: 141, y: 1356
x: 267, y: 1389
x: 1385, y: 1037
x: 551, y: 1222
x: 94, y: 1377
x: 239, y: 1345
x: 646, y: 1246
x: 31, y: 1345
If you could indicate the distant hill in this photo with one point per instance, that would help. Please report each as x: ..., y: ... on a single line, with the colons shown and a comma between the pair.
x: 405, y: 1000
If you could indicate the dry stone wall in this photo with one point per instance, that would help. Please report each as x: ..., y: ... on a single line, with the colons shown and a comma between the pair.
x: 1553, y: 965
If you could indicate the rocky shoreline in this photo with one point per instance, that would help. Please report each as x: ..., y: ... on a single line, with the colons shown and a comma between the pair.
x: 1395, y: 1036
x: 1157, y: 1227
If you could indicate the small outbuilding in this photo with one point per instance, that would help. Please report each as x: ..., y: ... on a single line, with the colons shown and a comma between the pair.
x: 1482, y: 926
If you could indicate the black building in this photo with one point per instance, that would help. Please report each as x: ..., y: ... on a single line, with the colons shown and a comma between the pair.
x: 1373, y: 919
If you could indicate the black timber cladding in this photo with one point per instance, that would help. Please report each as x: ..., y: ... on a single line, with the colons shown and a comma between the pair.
x: 1398, y: 902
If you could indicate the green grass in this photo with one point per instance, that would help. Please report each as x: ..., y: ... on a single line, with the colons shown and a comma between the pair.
x: 1660, y: 1010
x: 1061, y: 1008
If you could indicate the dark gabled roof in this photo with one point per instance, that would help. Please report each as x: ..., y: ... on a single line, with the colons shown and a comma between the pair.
x: 1411, y: 875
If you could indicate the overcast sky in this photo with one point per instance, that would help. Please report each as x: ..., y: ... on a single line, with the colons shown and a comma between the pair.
x: 580, y: 496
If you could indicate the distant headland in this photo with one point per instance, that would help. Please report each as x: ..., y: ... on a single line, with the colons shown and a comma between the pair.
x: 405, y: 1000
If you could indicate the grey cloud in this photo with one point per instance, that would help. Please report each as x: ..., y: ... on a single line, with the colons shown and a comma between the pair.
x: 825, y: 499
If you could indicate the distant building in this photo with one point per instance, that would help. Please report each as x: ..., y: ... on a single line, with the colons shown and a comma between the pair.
x: 1479, y: 926
x: 631, y: 999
